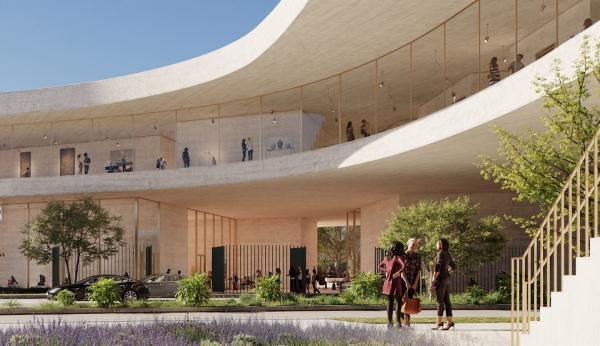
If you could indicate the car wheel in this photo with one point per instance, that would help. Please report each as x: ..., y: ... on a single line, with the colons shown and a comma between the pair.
x: 130, y: 295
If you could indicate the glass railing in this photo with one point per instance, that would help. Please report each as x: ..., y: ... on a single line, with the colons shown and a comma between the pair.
x: 476, y: 47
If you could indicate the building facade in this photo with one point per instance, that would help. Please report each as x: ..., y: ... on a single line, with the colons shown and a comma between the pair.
x: 324, y: 109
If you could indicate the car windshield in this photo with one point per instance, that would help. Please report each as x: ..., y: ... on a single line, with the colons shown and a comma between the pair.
x: 155, y: 278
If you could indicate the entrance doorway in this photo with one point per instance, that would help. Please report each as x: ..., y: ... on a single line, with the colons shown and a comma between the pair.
x: 67, y: 161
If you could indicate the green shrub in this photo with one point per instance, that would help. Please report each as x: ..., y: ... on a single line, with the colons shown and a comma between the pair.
x: 493, y: 297
x: 268, y: 288
x: 12, y: 304
x: 245, y: 298
x: 367, y: 285
x: 474, y: 294
x: 105, y: 293
x: 66, y: 297
x: 194, y: 290
x: 348, y: 297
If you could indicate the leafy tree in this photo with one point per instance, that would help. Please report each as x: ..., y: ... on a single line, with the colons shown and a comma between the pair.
x: 471, y: 241
x: 336, y: 245
x: 535, y: 165
x: 83, y: 231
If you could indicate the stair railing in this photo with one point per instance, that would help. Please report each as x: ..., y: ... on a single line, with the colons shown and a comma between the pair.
x: 563, y: 236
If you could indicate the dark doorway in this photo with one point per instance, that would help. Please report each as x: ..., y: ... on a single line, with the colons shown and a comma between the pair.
x: 67, y: 161
x: 25, y: 164
x: 218, y: 269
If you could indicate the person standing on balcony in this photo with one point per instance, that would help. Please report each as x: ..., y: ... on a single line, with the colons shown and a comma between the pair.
x: 440, y: 281
x: 516, y: 66
x: 244, y: 149
x: 186, y: 157
x: 412, y: 274
x: 87, y: 161
x: 349, y: 132
x: 393, y: 265
x: 27, y: 173
x: 250, y: 149
x: 494, y: 72
x: 365, y: 128
x: 79, y: 164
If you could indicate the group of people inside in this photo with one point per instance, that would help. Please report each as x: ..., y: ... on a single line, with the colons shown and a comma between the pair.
x: 365, y: 130
x: 402, y: 270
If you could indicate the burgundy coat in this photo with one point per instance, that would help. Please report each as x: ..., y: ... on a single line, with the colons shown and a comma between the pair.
x: 390, y: 266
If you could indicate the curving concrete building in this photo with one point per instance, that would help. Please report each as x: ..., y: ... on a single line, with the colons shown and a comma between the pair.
x: 352, y: 110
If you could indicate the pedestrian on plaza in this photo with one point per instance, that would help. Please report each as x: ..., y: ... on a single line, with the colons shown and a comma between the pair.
x: 313, y: 279
x: 299, y: 280
x: 293, y: 274
x: 412, y: 273
x: 440, y: 281
x: 393, y: 266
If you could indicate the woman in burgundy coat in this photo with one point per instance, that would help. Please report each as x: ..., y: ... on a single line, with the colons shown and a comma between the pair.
x: 393, y: 266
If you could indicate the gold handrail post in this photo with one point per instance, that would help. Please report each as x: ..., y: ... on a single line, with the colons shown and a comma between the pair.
x: 570, y: 229
x: 596, y: 186
x: 534, y: 273
x: 513, y: 277
x: 578, y: 213
x: 587, y: 204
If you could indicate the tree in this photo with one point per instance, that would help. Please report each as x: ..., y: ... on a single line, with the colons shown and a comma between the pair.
x: 471, y: 241
x: 535, y: 165
x: 83, y: 231
x: 338, y: 246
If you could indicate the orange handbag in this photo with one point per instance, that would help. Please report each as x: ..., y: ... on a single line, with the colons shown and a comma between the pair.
x: 411, y: 306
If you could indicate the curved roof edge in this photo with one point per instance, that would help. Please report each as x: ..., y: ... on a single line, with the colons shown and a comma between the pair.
x: 202, y: 69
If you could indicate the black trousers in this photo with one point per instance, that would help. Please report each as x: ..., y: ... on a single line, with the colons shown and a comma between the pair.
x: 442, y: 296
x: 390, y: 308
x: 244, y: 155
x: 86, y: 168
x: 186, y: 163
x: 315, y: 289
x: 250, y: 154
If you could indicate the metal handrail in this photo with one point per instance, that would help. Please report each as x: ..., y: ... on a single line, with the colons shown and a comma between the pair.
x: 559, y: 239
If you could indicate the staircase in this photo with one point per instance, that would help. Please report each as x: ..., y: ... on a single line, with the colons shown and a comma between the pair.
x: 556, y: 283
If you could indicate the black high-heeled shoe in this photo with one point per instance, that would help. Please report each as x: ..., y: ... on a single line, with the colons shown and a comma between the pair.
x: 450, y: 325
x: 438, y: 326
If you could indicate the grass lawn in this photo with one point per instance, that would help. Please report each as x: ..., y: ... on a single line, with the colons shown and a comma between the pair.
x: 426, y: 320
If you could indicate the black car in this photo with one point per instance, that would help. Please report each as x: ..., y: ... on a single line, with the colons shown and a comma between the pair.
x: 130, y: 289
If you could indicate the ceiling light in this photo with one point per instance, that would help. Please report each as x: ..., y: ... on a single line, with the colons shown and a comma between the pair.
x: 212, y: 120
x: 55, y: 142
x: 504, y: 59
x: 381, y: 84
x: 117, y: 144
x: 274, y: 120
x: 155, y: 128
x: 542, y: 6
x: 332, y: 110
x: 394, y: 108
x: 45, y: 137
x: 486, y: 39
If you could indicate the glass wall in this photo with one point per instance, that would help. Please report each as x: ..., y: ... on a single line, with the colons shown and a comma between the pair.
x: 475, y: 48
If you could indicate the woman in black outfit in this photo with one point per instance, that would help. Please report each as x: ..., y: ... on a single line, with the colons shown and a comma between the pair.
x: 444, y: 265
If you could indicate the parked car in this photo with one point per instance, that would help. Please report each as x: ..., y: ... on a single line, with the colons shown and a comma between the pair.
x: 130, y: 289
x: 163, y: 285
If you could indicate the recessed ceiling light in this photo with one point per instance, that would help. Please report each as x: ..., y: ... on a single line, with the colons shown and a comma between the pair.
x: 381, y: 84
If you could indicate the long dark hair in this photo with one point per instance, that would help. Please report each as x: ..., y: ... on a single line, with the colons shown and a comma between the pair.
x: 396, y: 249
x: 445, y: 244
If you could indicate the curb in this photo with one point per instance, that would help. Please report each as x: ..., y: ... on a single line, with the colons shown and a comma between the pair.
x: 246, y: 309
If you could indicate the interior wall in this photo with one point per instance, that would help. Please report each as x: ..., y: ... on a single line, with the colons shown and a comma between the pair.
x: 173, y: 238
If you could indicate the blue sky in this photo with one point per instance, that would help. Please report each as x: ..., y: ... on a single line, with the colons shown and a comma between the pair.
x: 47, y: 42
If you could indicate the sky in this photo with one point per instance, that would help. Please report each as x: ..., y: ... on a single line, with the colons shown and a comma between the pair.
x: 56, y: 42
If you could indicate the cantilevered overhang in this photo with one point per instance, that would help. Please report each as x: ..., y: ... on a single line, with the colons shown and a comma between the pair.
x: 434, y: 154
x: 300, y: 41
